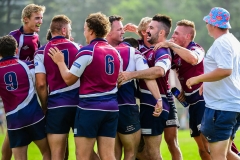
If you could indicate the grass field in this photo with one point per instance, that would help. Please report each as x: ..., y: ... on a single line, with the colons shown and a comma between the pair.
x: 187, y: 145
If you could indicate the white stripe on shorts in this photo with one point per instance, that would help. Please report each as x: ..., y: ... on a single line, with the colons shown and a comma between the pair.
x: 146, y: 131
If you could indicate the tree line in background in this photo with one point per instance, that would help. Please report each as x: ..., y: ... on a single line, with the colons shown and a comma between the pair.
x: 131, y: 10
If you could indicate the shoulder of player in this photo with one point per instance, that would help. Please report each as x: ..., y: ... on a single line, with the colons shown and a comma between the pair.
x: 42, y: 47
x: 64, y: 43
x: 30, y: 64
x: 122, y: 46
x: 40, y: 50
x: 163, y: 51
x: 194, y: 45
x: 15, y: 32
x: 127, y: 49
x: 87, y: 48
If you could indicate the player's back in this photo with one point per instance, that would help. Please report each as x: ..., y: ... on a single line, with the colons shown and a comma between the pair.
x: 18, y: 93
x: 27, y: 44
x: 127, y: 54
x: 68, y: 48
x: 58, y: 89
x: 100, y: 75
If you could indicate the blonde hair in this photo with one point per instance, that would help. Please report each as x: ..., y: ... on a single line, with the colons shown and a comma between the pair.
x: 31, y: 8
x: 143, y: 24
x: 189, y: 24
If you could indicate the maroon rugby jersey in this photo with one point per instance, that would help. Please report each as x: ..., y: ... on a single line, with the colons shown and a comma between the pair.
x: 162, y: 58
x: 27, y: 44
x: 186, y: 70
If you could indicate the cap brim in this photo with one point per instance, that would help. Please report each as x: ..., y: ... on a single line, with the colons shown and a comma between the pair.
x: 206, y: 18
x: 228, y: 25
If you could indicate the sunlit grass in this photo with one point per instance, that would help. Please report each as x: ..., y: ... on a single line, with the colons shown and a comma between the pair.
x: 187, y: 145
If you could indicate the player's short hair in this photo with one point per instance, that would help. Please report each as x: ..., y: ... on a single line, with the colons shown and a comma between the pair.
x: 8, y: 46
x: 189, y: 24
x: 58, y: 22
x: 31, y: 8
x: 132, y: 41
x: 165, y: 21
x: 115, y: 18
x: 48, y: 35
x: 99, y: 23
x: 143, y: 25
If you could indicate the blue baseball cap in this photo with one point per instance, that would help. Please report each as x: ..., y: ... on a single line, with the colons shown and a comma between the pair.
x: 218, y: 17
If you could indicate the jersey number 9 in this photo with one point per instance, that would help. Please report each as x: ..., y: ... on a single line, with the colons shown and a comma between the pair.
x: 10, y: 79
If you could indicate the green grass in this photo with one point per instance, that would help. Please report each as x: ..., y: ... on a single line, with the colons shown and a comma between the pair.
x: 187, y: 145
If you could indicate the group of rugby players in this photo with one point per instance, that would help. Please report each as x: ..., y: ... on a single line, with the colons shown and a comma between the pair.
x: 92, y: 89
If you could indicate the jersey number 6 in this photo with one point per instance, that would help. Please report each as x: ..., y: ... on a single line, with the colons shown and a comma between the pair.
x: 109, y: 64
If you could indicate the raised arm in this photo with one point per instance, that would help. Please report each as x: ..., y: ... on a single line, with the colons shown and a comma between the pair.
x: 150, y: 73
x: 130, y: 27
x: 186, y: 54
x: 215, y: 75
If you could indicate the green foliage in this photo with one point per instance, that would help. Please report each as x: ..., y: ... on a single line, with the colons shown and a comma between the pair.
x: 183, y: 9
x: 132, y: 11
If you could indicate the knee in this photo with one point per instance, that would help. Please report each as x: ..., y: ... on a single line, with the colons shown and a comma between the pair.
x: 6, y: 152
x: 171, y: 138
x: 154, y: 157
x: 46, y: 154
x: 129, y: 155
x: 172, y: 142
x: 153, y: 154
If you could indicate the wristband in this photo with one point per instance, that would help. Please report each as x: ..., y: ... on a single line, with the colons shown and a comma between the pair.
x: 159, y: 99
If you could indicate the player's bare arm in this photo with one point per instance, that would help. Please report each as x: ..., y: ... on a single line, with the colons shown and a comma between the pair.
x: 130, y: 27
x: 185, y: 54
x: 150, y: 73
x: 153, y: 88
x: 201, y: 90
x: 41, y: 87
x: 215, y: 75
x: 161, y: 45
x: 58, y: 58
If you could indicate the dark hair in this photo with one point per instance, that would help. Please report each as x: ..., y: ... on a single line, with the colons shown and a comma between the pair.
x: 8, y: 46
x: 132, y: 41
x: 115, y: 18
x: 166, y: 23
x: 99, y: 23
x: 48, y: 35
x: 58, y: 22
